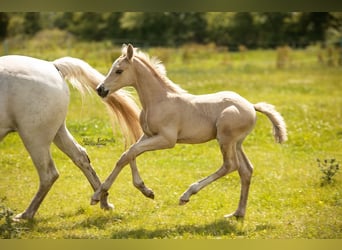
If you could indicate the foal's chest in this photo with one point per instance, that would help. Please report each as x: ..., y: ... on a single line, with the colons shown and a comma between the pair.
x: 146, y: 124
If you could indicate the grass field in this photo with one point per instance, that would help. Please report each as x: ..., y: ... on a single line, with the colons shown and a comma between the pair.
x: 287, y: 197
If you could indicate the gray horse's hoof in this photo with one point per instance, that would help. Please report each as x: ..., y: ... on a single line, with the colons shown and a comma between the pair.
x: 236, y: 215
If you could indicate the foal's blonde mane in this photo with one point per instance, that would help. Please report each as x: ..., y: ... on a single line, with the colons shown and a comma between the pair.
x: 156, y: 66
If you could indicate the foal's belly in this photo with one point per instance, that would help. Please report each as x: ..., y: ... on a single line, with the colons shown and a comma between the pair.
x: 201, y: 113
x: 199, y: 131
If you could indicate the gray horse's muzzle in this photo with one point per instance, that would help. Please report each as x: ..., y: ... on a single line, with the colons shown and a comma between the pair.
x: 101, y: 91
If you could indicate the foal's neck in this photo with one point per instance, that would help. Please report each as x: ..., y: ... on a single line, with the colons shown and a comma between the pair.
x: 150, y: 86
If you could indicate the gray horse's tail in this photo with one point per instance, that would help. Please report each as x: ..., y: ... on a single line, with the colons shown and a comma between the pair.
x: 279, y: 125
x: 84, y: 77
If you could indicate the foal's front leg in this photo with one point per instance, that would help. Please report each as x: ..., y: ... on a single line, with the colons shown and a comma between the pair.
x: 160, y: 141
x: 102, y: 190
x: 138, y: 182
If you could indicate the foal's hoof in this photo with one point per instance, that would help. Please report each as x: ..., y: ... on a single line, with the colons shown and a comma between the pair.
x: 183, y: 202
x: 93, y: 202
x: 96, y: 197
x: 149, y: 194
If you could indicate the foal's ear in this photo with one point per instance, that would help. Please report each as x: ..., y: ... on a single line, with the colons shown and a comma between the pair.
x: 130, y: 52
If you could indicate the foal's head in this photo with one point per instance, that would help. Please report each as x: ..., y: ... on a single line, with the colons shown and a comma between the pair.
x: 120, y: 74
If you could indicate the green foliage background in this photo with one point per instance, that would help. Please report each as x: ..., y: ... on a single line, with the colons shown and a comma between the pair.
x: 251, y: 29
x: 286, y: 200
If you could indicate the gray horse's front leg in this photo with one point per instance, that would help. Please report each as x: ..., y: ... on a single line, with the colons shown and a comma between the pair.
x: 67, y: 144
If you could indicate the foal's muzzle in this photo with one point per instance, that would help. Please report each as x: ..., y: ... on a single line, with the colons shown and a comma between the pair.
x: 101, y: 91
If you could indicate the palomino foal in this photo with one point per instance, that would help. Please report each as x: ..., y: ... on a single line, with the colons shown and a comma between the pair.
x: 170, y: 115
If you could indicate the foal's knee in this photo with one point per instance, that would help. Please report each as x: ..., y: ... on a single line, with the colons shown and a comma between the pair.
x: 126, y: 157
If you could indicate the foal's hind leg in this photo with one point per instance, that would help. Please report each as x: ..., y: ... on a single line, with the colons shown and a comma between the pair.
x: 245, y: 171
x: 65, y: 142
x: 230, y: 163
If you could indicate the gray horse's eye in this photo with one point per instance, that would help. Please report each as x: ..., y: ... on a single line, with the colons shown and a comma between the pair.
x: 118, y: 71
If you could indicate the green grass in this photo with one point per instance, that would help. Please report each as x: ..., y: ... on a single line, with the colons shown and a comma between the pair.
x: 286, y: 199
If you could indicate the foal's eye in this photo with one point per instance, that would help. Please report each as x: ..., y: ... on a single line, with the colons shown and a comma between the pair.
x: 118, y: 71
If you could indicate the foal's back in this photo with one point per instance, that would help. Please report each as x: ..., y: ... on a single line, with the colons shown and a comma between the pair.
x: 199, y: 114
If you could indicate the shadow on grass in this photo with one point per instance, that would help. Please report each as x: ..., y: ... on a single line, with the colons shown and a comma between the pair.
x: 48, y: 224
x: 215, y: 229
x: 218, y: 228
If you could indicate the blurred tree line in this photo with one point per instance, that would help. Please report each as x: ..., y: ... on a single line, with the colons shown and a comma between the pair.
x: 251, y: 29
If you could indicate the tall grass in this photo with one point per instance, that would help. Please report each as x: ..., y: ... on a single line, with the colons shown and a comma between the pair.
x: 286, y: 199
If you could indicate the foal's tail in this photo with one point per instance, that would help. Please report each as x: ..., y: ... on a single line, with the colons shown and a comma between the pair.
x: 84, y: 77
x: 279, y: 126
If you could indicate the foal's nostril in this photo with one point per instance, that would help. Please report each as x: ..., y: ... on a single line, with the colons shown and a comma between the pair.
x: 101, y: 91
